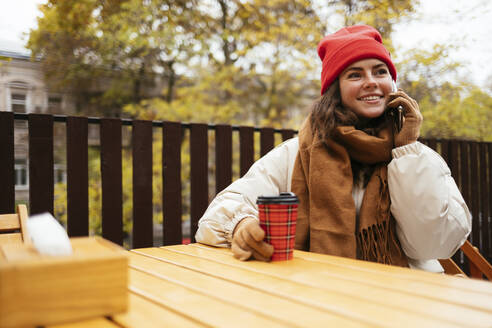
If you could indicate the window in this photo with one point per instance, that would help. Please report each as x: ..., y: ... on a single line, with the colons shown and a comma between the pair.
x: 18, y: 102
x: 21, y: 174
x: 18, y: 96
x: 54, y: 104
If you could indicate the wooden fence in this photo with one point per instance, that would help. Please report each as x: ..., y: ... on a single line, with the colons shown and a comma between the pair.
x: 470, y: 163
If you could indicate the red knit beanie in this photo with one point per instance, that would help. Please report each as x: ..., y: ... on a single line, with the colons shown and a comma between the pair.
x: 348, y: 45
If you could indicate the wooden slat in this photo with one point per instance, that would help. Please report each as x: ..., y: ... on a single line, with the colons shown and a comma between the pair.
x: 77, y: 177
x: 223, y: 157
x: 199, y: 174
x: 478, y: 260
x: 432, y: 143
x: 8, y: 238
x: 23, y: 215
x: 484, y: 204
x: 208, y: 311
x: 453, y: 161
x: 458, y: 257
x: 142, y: 184
x: 41, y: 174
x: 93, y: 323
x: 465, y: 171
x: 146, y: 313
x: 43, y: 290
x: 266, y: 140
x: 7, y: 172
x: 263, y: 304
x: 111, y: 178
x: 450, y: 267
x: 370, y: 295
x: 489, y: 253
x: 361, y: 269
x: 445, y: 150
x: 9, y: 222
x: 454, y: 166
x: 171, y: 184
x: 287, y: 134
x: 475, y: 193
x: 246, y: 149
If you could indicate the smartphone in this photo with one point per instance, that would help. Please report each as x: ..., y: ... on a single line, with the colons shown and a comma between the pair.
x: 396, y: 113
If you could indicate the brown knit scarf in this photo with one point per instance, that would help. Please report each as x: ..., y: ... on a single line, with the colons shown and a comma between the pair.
x: 322, y: 179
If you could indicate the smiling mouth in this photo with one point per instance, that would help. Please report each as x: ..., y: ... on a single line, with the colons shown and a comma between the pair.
x: 369, y: 98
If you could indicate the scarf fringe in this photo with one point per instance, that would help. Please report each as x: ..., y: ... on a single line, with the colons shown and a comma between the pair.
x: 374, y: 243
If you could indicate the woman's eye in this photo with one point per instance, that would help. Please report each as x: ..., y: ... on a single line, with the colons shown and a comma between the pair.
x: 353, y: 75
x: 382, y: 71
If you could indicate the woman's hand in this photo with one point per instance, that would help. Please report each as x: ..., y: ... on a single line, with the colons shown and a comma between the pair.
x: 412, y: 118
x: 248, y: 241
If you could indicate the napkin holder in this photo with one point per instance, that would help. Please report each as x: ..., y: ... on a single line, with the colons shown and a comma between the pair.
x: 40, y: 290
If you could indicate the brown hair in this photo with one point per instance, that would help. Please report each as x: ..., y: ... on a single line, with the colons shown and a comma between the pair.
x: 327, y: 112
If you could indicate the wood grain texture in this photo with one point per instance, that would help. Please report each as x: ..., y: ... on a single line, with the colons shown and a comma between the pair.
x: 373, y: 293
x: 189, y: 302
x: 478, y: 260
x: 43, y: 290
x: 9, y: 222
x: 22, y: 212
x: 7, y: 238
x: 450, y: 267
x: 202, y: 286
x: 146, y: 313
x: 256, y: 301
x: 13, y: 227
x: 92, y: 323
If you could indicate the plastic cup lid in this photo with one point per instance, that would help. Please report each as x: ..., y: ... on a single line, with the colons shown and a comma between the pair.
x: 283, y: 198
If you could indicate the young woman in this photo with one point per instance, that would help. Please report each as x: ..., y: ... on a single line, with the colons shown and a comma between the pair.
x: 367, y: 190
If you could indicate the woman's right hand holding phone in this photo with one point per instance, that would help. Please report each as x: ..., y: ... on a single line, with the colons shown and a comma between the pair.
x: 412, y: 118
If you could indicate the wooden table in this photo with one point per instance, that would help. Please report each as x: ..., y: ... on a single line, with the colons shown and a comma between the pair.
x: 200, y: 286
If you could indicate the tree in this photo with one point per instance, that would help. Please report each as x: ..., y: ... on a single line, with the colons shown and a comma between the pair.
x: 382, y: 14
x: 452, y: 106
x: 107, y: 53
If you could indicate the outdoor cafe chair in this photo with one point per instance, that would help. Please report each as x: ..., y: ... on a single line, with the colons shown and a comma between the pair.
x: 13, y: 226
x: 479, y: 266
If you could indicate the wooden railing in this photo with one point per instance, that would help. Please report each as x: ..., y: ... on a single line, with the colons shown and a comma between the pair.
x: 470, y: 163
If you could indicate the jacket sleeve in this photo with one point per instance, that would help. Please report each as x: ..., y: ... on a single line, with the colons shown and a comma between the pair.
x: 432, y: 218
x: 267, y: 176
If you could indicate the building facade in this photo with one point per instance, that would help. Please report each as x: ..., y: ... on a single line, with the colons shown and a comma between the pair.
x: 23, y: 90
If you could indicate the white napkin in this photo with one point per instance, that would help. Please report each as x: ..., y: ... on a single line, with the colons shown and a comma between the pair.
x: 48, y: 236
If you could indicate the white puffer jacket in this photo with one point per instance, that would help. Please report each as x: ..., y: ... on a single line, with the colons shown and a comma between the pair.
x: 433, y: 220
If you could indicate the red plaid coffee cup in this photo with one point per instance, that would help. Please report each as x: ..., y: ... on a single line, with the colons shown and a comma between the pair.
x: 278, y: 217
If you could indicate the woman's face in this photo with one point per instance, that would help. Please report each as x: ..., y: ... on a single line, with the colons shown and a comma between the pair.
x: 365, y: 86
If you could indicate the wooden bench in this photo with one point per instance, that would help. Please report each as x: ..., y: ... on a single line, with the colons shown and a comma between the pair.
x: 479, y: 267
x: 13, y: 226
